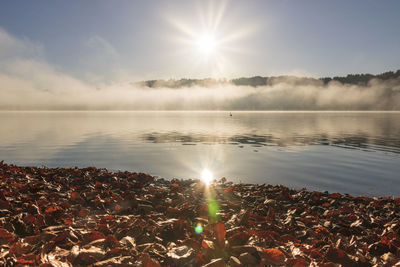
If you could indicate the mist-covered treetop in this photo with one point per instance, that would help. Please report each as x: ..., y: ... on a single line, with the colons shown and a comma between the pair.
x: 356, y: 79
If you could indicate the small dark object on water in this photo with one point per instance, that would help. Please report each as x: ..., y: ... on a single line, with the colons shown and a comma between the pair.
x: 230, y: 114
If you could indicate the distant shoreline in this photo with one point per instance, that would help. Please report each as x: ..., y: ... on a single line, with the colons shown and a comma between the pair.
x: 214, y: 111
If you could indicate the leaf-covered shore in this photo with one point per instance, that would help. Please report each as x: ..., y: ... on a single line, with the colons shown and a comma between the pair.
x: 89, y: 216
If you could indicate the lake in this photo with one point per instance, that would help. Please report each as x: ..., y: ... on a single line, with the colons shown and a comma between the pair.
x: 346, y: 152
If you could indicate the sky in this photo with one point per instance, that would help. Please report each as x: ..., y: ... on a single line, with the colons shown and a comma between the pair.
x: 100, y: 42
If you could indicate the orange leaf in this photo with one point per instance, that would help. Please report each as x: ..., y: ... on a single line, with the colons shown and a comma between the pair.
x: 274, y: 256
x: 117, y: 207
x: 220, y: 232
x: 98, y: 184
x: 75, y: 195
x: 52, y: 209
x: 228, y: 189
x: 175, y: 185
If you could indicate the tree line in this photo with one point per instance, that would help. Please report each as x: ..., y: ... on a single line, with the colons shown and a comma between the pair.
x: 356, y: 79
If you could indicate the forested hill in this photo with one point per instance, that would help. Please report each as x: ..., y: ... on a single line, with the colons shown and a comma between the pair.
x: 356, y: 79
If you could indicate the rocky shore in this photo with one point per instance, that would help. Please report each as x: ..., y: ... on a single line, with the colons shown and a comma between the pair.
x: 89, y: 216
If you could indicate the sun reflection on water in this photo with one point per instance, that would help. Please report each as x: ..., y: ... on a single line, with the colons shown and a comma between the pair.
x: 206, y: 177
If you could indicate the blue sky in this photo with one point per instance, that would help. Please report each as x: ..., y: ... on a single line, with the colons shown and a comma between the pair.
x: 107, y: 41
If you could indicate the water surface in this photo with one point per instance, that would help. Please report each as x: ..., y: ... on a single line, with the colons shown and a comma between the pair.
x: 347, y: 152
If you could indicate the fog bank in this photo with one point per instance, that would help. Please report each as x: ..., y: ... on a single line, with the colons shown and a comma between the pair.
x: 28, y: 82
x: 49, y: 90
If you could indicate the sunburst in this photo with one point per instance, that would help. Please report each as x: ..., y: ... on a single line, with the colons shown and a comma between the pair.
x: 210, y: 41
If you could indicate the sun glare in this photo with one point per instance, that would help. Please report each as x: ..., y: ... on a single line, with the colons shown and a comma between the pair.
x: 206, y: 44
x: 209, y: 42
x: 206, y: 176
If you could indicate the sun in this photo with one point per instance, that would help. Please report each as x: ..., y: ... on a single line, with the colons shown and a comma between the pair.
x: 206, y: 44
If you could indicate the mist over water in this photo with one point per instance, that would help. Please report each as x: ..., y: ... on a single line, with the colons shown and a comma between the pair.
x: 66, y: 94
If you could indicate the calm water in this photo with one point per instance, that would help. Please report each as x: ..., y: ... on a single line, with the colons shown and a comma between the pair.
x: 356, y: 153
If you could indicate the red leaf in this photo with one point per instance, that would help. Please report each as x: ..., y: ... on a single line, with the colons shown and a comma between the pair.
x: 89, y: 237
x: 60, y: 237
x: 149, y: 262
x: 274, y: 256
x: 238, y: 238
x: 83, y: 212
x: 111, y: 241
x: 220, y: 232
x: 335, y: 195
x: 5, y: 235
x: 271, y: 214
x: 338, y: 256
x: 297, y: 263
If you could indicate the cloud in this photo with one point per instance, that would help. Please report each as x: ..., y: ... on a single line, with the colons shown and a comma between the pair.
x: 28, y: 82
x: 11, y: 47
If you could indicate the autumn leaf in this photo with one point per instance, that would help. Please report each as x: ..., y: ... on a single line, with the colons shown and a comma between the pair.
x: 89, y: 237
x: 5, y: 235
x: 147, y: 261
x: 53, y: 209
x: 220, y: 232
x: 228, y: 189
x: 75, y: 196
x: 83, y: 212
x: 274, y: 256
x: 297, y: 263
x: 207, y: 244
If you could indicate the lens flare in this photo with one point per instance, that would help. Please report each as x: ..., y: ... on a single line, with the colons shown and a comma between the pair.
x: 199, y: 228
x: 206, y: 177
x: 213, y: 209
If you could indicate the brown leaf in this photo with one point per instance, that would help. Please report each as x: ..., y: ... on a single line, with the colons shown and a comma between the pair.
x: 147, y: 261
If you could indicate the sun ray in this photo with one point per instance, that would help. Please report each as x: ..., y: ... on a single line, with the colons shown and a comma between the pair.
x: 210, y: 43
